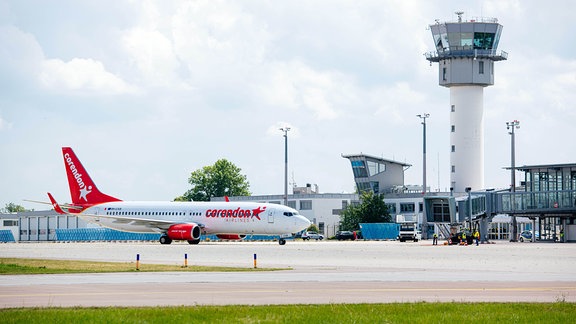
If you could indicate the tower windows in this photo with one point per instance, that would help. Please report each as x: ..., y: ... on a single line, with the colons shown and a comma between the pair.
x: 443, y: 74
x: 453, y: 108
x: 481, y: 67
x: 453, y: 169
x: 453, y: 128
x: 453, y: 148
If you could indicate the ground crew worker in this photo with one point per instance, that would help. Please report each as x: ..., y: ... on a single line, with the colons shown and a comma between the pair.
x: 435, y: 239
x: 477, y: 237
x: 464, y: 238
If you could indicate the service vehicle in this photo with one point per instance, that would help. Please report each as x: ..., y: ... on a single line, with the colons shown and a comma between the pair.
x: 345, y: 235
x: 312, y: 235
x: 409, y: 231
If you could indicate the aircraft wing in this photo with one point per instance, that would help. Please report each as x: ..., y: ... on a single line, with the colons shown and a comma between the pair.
x: 160, y: 225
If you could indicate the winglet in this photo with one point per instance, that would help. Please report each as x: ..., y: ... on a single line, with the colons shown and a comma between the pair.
x: 57, y: 207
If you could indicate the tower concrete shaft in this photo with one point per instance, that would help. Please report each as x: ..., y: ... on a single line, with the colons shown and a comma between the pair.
x: 465, y: 53
x: 466, y: 137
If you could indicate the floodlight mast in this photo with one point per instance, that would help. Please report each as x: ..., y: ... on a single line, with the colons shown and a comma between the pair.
x: 285, y: 130
x: 423, y: 117
x: 424, y: 220
x: 511, y: 126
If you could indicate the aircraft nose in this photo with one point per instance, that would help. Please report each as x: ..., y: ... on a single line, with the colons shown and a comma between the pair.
x: 304, y: 222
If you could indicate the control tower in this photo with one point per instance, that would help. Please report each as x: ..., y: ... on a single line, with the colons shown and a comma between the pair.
x: 465, y: 53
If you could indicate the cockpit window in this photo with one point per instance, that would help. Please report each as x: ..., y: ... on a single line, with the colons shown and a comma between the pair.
x: 290, y: 214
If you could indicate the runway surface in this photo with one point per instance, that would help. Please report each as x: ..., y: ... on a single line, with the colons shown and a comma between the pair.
x: 322, y: 272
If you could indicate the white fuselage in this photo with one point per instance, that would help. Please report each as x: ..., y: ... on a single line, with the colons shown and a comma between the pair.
x: 212, y: 217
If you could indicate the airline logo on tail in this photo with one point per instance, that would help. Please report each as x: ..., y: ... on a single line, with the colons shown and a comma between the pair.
x: 84, y: 190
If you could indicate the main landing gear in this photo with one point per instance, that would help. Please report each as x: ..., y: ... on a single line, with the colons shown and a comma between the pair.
x: 281, y: 241
x: 164, y: 239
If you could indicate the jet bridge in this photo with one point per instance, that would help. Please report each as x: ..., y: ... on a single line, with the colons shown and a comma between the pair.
x: 554, y: 209
x: 446, y: 213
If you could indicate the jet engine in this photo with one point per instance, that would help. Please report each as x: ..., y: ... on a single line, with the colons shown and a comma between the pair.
x: 187, y: 232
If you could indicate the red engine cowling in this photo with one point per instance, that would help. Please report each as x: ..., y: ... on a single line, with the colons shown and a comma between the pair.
x: 230, y: 236
x: 185, y: 232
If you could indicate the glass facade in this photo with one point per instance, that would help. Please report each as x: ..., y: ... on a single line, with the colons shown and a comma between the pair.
x: 546, y: 187
x: 305, y: 204
x: 374, y: 168
x: 364, y: 169
x: 440, y: 213
x: 376, y: 174
x: 484, y: 40
x: 407, y: 207
x: 466, y: 36
x: 359, y: 169
x: 542, y: 200
x: 363, y: 186
x: 560, y: 177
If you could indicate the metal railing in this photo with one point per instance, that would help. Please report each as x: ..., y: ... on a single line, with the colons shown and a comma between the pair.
x: 461, y: 51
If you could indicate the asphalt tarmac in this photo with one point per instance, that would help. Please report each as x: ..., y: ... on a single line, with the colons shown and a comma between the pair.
x: 321, y: 272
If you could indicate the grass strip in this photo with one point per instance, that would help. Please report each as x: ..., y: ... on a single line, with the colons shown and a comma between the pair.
x: 422, y: 312
x: 15, y: 266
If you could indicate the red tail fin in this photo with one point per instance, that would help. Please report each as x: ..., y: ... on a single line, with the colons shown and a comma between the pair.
x: 55, y: 205
x: 83, y: 191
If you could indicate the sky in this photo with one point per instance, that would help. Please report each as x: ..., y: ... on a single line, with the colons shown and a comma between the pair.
x: 147, y: 92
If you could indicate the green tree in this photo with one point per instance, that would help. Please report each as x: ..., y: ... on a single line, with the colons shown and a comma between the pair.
x: 374, y: 209
x: 13, y: 208
x: 350, y: 218
x: 371, y: 209
x: 313, y: 228
x: 218, y: 180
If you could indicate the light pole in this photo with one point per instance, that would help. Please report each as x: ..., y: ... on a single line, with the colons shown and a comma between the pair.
x: 511, y: 126
x: 285, y: 130
x: 424, y: 216
x: 469, y: 191
x: 423, y: 117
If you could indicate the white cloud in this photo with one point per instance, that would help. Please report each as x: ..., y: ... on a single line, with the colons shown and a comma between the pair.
x: 85, y: 76
x: 4, y: 124
x: 296, y: 86
x: 396, y: 98
x: 218, y: 35
x: 20, y: 55
x: 153, y: 56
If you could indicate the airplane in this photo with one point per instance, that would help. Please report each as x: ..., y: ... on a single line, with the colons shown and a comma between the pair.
x: 174, y: 220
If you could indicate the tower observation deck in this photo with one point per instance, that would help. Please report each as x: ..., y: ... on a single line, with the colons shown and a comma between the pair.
x: 465, y: 53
